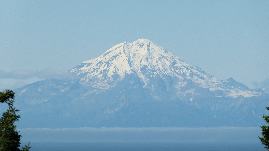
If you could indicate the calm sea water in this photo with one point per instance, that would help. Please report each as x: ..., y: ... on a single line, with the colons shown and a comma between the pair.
x: 132, y: 146
x: 144, y: 139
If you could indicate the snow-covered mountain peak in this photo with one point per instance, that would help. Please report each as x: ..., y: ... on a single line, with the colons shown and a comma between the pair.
x: 138, y: 50
x: 141, y: 57
x: 151, y: 64
x: 145, y: 46
x: 142, y: 40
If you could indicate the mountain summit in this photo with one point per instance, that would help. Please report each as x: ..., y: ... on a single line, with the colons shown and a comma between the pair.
x: 139, y: 84
x: 149, y: 62
x: 140, y: 57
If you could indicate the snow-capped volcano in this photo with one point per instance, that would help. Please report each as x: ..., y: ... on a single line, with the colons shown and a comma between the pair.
x: 142, y: 82
x: 148, y: 61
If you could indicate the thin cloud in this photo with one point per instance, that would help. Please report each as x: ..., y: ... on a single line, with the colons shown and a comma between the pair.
x: 16, y: 79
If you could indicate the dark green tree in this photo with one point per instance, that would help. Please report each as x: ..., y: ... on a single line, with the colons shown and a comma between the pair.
x: 9, y: 136
x: 265, y: 131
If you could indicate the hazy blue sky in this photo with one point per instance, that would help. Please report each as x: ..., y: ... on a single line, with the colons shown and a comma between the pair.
x: 225, y: 38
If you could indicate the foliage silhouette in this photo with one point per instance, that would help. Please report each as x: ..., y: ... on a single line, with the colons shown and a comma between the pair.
x: 265, y: 131
x: 9, y: 136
